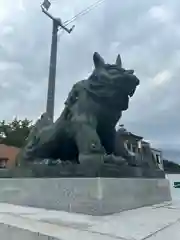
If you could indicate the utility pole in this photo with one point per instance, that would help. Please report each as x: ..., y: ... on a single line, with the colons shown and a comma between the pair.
x: 57, y: 23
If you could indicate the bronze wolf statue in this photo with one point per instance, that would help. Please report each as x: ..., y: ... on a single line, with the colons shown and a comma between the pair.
x: 85, y: 131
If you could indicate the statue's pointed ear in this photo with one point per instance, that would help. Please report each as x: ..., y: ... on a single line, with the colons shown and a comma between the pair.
x: 98, y: 60
x: 118, y: 61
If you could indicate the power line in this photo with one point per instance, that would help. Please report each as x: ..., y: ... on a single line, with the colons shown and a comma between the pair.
x: 83, y: 12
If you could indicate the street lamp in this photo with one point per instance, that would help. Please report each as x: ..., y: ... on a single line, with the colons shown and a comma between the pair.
x: 57, y: 23
x: 46, y: 5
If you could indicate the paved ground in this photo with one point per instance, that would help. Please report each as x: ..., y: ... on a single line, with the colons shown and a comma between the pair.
x: 159, y: 222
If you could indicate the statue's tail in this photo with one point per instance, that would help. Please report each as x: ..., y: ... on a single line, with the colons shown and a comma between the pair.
x: 39, y: 125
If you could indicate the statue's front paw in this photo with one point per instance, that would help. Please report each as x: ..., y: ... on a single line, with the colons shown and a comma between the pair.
x: 115, y: 160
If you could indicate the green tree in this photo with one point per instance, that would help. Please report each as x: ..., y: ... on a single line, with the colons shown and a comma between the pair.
x: 15, y: 133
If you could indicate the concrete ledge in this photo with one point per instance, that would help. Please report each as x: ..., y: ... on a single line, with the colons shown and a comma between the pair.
x: 93, y: 196
x: 69, y: 170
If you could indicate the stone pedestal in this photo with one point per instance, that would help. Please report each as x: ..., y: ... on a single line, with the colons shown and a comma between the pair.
x: 94, y: 196
x: 69, y: 170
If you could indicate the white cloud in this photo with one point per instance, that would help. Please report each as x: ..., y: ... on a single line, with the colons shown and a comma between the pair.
x: 6, y: 30
x: 161, y: 13
x: 21, y: 6
x: 8, y: 8
x: 162, y: 78
x: 4, y: 10
x: 8, y: 66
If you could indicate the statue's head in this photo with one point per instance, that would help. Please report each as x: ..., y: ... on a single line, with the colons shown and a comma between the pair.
x: 124, y: 82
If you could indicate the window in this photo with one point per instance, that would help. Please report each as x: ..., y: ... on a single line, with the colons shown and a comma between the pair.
x: 3, y: 162
x: 129, y: 146
x: 158, y: 159
x: 134, y: 149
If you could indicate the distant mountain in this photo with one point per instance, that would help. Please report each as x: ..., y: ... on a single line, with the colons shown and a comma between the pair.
x: 171, y: 167
x: 171, y: 155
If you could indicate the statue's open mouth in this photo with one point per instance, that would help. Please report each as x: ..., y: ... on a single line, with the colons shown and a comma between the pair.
x: 131, y: 93
x: 134, y: 82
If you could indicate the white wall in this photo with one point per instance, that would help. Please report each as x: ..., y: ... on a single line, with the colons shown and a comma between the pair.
x: 175, y: 192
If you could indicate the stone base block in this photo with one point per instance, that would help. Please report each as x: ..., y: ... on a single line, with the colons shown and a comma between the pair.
x: 93, y: 196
